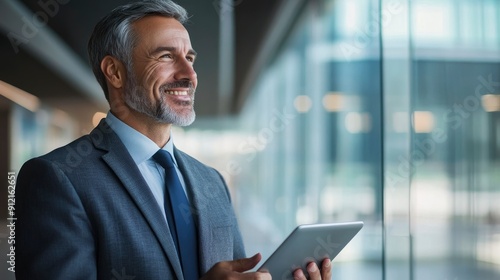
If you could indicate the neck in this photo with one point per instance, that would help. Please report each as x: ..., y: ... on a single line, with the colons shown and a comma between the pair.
x: 156, y: 131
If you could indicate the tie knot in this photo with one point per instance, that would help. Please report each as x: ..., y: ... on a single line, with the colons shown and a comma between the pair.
x: 164, y: 159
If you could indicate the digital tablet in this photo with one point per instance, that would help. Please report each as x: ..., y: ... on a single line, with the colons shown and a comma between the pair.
x: 309, y: 243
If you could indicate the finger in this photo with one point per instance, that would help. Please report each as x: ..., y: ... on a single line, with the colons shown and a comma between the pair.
x: 253, y: 276
x: 326, y: 269
x: 298, y: 274
x: 242, y: 265
x: 313, y: 270
x: 265, y: 276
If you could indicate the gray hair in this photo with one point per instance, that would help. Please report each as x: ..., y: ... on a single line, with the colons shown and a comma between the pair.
x: 113, y: 35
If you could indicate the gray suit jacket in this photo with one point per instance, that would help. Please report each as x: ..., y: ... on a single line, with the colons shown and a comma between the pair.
x: 84, y: 211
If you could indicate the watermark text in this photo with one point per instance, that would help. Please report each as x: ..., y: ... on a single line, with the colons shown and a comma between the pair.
x: 11, y: 207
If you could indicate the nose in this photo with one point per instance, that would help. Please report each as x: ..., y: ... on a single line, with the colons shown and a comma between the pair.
x: 185, y: 71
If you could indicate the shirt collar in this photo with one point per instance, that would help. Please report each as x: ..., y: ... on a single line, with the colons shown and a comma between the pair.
x: 140, y: 147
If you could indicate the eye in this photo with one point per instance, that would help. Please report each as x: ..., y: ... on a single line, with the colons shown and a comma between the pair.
x: 166, y: 55
x: 190, y: 58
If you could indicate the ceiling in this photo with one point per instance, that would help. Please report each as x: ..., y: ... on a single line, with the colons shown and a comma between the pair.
x: 49, y: 59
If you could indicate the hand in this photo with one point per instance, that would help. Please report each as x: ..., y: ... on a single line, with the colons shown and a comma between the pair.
x: 234, y: 270
x: 314, y: 272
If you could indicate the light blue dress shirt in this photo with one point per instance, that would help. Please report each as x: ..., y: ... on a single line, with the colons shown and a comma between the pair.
x: 141, y: 148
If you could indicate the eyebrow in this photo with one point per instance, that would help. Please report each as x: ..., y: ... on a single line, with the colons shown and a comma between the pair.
x: 172, y: 49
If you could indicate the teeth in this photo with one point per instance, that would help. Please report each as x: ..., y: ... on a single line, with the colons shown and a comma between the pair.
x: 172, y: 92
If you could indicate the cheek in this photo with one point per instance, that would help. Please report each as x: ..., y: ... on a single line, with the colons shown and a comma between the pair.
x: 155, y: 75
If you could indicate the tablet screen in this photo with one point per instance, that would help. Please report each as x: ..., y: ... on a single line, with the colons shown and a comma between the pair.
x: 309, y: 243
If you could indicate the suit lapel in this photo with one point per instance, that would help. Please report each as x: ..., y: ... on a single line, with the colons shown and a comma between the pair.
x: 120, y: 161
x: 197, y: 188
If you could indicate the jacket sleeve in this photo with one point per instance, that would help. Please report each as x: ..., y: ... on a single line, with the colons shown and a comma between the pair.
x: 238, y: 245
x: 54, y: 238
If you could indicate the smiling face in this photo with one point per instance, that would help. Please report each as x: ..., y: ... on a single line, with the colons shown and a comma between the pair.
x: 161, y: 82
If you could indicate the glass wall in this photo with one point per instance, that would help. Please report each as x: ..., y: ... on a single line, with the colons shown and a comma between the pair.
x: 325, y: 163
x: 455, y: 90
x: 385, y: 111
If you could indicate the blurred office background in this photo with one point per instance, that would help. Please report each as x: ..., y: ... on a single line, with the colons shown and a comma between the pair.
x: 385, y: 111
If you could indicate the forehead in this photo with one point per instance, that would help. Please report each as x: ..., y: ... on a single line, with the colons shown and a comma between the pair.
x: 154, y: 30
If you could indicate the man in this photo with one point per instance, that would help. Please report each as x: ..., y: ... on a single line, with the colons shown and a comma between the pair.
x: 104, y: 206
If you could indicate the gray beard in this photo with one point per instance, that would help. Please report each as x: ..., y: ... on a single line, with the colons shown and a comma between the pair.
x: 161, y: 112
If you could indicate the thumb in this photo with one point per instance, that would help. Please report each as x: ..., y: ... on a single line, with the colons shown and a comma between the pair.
x: 242, y: 265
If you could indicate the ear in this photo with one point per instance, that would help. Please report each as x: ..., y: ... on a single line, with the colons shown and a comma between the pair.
x: 114, y: 71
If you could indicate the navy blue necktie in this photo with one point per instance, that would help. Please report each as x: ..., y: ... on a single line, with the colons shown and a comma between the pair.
x: 179, y: 217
